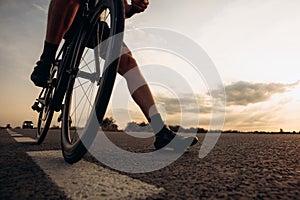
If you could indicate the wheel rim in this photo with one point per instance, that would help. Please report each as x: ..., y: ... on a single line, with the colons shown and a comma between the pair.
x: 41, y: 124
x: 45, y: 117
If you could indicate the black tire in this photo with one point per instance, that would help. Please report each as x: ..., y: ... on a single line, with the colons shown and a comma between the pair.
x: 77, y: 129
x: 44, y: 121
x: 46, y: 113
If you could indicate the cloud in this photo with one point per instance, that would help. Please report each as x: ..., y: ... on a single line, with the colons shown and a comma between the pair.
x: 40, y: 8
x: 266, y: 116
x: 243, y: 93
x: 189, y: 103
x: 187, y: 110
x: 251, y: 120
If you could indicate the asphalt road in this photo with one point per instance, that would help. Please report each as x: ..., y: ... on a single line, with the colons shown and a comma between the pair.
x: 241, y: 166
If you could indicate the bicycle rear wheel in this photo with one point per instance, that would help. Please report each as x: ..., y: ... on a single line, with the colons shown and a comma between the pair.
x: 96, y: 69
x: 46, y: 111
x: 44, y: 121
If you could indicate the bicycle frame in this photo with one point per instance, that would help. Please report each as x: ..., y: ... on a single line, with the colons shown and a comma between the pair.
x: 65, y: 68
x: 86, y: 65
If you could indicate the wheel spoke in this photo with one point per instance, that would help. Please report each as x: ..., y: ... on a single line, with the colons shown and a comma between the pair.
x: 74, y: 136
x: 82, y: 84
x: 86, y: 51
x: 85, y: 94
x: 81, y: 99
x: 87, y: 64
x: 85, y: 105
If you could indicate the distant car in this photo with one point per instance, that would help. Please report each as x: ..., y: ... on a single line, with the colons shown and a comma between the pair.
x: 27, y: 124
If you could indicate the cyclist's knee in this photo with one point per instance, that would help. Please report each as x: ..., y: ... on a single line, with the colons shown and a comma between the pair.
x: 127, y: 62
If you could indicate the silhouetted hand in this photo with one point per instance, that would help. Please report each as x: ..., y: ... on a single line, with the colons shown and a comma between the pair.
x: 136, y: 6
x: 139, y: 5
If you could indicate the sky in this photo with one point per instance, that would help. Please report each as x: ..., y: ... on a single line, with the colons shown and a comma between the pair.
x: 254, y: 45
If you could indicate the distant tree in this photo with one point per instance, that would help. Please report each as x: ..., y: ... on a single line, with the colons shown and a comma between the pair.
x: 175, y: 128
x: 231, y: 131
x: 109, y: 124
x: 201, y: 130
x: 192, y: 130
x: 138, y: 127
x: 131, y: 126
x: 281, y: 130
x: 54, y: 127
x: 142, y: 124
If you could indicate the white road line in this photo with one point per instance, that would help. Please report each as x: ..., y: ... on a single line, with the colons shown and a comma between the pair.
x: 90, y: 181
x: 24, y: 139
x: 10, y: 131
x: 18, y: 137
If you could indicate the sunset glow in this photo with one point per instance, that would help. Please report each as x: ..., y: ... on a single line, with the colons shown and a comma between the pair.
x: 254, y: 45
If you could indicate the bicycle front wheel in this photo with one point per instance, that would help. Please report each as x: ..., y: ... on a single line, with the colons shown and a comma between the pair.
x: 88, y: 92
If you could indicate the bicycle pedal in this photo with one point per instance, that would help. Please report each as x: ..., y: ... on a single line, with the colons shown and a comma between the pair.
x: 36, y: 107
x: 41, y: 101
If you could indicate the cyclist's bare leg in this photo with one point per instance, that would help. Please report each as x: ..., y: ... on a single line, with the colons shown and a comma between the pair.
x: 61, y: 15
x: 142, y: 95
x: 60, y: 18
x: 139, y: 89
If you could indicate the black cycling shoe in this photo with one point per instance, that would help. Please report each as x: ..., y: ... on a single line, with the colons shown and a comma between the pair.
x: 166, y: 136
x: 41, y: 73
